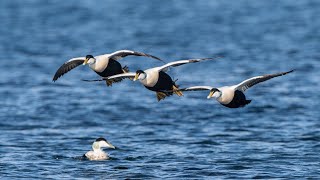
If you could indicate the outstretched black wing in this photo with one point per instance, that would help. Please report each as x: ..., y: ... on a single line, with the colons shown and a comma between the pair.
x: 181, y: 62
x: 123, y: 53
x: 243, y: 86
x: 68, y: 66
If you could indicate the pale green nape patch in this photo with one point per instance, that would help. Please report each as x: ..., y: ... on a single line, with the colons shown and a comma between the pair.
x: 96, y: 145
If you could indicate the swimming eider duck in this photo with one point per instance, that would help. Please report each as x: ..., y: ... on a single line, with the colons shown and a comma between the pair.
x: 97, y: 152
x: 156, y: 79
x: 104, y: 65
x: 233, y: 96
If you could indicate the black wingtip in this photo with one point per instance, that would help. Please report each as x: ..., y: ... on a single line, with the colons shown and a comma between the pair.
x: 148, y: 55
x: 56, y: 76
x: 156, y: 58
x: 217, y: 57
x: 54, y: 79
x: 210, y: 58
x: 289, y: 72
x: 92, y: 80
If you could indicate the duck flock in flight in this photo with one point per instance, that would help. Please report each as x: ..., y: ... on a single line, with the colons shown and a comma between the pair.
x: 156, y: 79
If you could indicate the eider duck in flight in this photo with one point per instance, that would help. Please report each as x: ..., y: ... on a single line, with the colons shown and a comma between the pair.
x: 104, y: 65
x: 97, y: 153
x: 233, y: 96
x: 156, y: 79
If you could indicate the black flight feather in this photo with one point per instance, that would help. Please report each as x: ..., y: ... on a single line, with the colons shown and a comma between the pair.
x: 66, y: 67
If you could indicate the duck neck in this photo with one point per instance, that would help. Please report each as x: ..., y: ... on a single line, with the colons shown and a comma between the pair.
x: 219, y: 95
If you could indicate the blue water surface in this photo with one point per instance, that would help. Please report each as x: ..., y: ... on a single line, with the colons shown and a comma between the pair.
x: 46, y: 127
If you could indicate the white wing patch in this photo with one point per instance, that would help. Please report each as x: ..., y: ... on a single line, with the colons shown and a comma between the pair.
x: 197, y: 88
x: 124, y: 75
x: 77, y: 58
x: 181, y: 62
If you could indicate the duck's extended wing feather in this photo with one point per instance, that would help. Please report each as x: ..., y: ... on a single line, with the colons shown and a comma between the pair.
x: 68, y: 66
x: 123, y: 53
x: 181, y: 62
x: 120, y: 76
x: 197, y: 88
x: 244, y: 85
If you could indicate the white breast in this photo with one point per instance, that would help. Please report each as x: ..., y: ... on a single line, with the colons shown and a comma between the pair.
x: 227, y: 94
x: 97, y: 155
x: 101, y: 63
x: 151, y: 79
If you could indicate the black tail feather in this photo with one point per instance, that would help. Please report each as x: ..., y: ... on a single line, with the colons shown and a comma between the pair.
x: 248, y: 102
x: 125, y: 69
